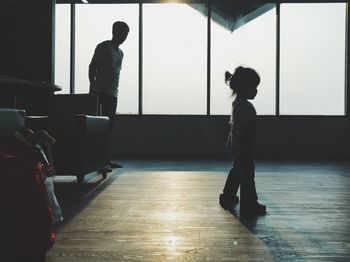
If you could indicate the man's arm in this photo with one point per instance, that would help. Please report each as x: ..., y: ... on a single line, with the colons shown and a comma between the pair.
x: 93, y: 68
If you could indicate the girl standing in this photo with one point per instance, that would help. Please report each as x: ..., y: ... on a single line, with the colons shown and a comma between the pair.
x: 244, y: 83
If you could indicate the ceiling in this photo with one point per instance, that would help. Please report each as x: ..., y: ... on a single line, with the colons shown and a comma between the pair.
x: 230, y: 14
x: 234, y: 14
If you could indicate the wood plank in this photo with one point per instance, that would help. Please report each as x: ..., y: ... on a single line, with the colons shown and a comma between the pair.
x: 149, y: 212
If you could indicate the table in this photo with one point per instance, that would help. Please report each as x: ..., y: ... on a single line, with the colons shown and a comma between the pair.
x: 28, y: 95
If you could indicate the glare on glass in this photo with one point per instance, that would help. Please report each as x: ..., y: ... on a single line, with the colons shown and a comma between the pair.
x: 251, y: 45
x: 93, y: 26
x: 174, y: 59
x: 62, y: 47
x: 312, y: 80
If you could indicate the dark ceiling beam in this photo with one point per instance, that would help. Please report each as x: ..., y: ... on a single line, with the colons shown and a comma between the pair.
x: 224, y: 2
x: 231, y: 14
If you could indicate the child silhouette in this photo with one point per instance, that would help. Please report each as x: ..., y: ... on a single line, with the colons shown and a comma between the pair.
x: 243, y: 82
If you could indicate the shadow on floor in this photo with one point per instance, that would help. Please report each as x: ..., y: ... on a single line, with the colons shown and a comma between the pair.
x: 73, y: 197
x: 261, y: 227
x: 249, y: 221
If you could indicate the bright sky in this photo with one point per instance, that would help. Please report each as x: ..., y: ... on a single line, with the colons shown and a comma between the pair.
x: 175, y: 57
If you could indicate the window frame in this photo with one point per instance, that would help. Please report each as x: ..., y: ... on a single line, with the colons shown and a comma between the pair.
x: 208, y: 4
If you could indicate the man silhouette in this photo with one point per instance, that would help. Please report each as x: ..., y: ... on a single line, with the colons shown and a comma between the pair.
x: 104, y: 71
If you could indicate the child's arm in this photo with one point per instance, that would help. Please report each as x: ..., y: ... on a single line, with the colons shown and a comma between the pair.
x: 244, y: 133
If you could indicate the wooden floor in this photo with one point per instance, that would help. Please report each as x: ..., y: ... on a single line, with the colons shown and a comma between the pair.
x: 160, y: 211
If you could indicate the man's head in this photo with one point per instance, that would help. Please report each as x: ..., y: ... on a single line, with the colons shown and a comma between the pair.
x: 120, y: 32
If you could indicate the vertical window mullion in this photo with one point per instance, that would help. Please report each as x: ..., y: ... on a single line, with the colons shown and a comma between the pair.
x: 208, y: 57
x: 53, y: 42
x: 278, y: 27
x: 347, y: 61
x: 140, y: 57
x: 72, y: 48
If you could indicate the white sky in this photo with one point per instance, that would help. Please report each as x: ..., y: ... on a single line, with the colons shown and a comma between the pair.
x: 175, y: 57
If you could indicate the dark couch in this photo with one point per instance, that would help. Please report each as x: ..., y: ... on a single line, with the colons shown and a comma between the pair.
x: 11, y: 121
x: 81, y: 134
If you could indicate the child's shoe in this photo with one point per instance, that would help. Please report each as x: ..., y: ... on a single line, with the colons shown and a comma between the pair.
x: 254, y: 208
x: 226, y: 203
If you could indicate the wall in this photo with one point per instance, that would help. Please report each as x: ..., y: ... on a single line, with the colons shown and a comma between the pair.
x: 282, y: 137
x: 26, y: 46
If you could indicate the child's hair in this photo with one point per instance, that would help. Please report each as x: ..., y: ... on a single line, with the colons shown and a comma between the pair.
x: 242, y: 79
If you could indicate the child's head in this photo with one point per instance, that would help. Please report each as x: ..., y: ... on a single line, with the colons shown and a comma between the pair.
x: 243, y: 82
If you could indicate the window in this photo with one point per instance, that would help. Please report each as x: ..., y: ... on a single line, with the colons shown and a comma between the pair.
x: 174, y: 63
x: 174, y: 59
x: 62, y: 48
x: 252, y: 45
x: 312, y: 78
x: 93, y: 26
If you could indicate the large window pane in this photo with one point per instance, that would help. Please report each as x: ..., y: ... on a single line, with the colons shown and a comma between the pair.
x: 251, y: 45
x: 93, y: 26
x: 174, y: 59
x: 62, y: 47
x: 312, y: 59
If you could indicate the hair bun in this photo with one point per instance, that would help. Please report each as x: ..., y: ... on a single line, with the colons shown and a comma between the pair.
x: 228, y: 76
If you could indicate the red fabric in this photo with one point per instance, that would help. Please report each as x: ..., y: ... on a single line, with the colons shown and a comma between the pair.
x: 25, y: 219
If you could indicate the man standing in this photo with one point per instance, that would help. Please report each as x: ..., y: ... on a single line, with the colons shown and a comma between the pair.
x: 104, y: 71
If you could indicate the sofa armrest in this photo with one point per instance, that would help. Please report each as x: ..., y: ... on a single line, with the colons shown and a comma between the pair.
x: 95, y: 143
x: 81, y: 144
x: 11, y: 120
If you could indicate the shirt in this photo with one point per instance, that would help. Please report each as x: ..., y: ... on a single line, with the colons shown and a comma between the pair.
x: 243, y: 129
x: 107, y: 61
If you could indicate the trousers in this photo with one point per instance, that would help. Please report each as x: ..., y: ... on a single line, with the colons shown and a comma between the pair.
x: 241, y: 176
x: 109, y: 106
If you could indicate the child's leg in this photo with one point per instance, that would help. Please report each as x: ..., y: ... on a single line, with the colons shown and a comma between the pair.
x: 249, y: 197
x: 232, y: 183
x: 248, y: 190
x: 229, y: 196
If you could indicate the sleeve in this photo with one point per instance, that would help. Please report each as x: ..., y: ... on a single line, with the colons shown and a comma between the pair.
x: 95, y: 57
x: 121, y: 59
x: 243, y: 133
x: 93, y: 65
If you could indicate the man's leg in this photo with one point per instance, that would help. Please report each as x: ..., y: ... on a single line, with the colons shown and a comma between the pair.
x: 109, y: 105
